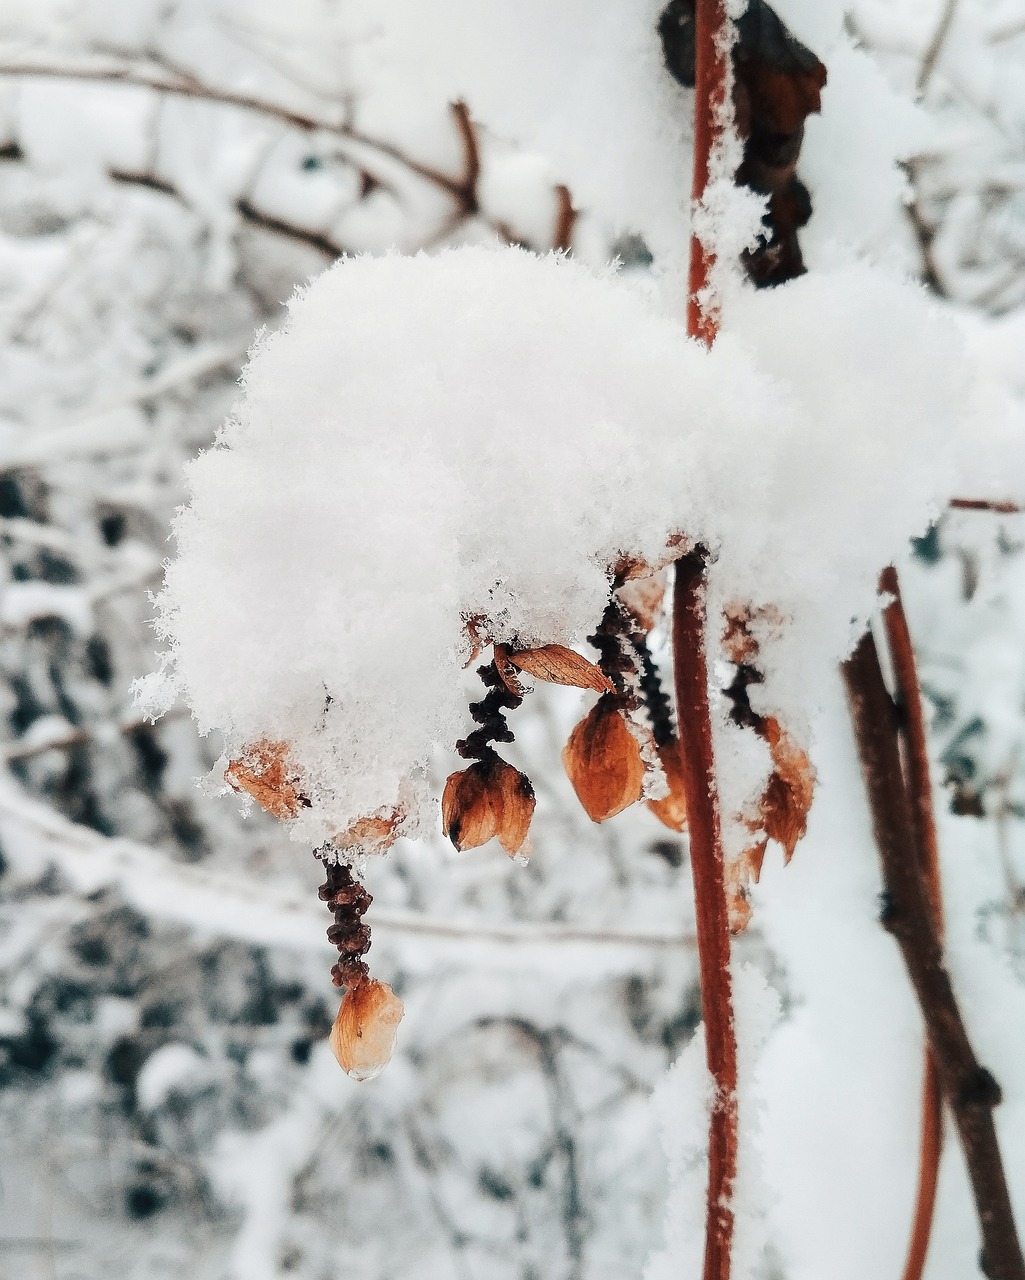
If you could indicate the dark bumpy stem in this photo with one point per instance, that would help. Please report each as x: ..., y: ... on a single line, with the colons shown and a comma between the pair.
x: 489, y: 713
x: 970, y: 1091
x: 349, y: 900
x: 616, y: 649
x: 624, y: 657
x: 713, y: 928
x: 656, y: 700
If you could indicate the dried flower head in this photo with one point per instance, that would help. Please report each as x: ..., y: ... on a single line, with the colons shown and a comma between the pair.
x: 363, y: 1035
x: 603, y: 761
x: 490, y: 798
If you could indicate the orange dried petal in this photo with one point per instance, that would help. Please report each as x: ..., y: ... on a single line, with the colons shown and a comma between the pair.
x: 671, y: 810
x: 603, y: 761
x: 490, y: 798
x: 790, y: 790
x: 265, y: 772
x: 559, y: 665
x: 363, y: 1035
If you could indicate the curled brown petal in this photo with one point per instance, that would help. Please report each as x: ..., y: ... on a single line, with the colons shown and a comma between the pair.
x: 559, y: 665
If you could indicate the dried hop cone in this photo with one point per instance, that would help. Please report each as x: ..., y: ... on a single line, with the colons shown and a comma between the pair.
x: 603, y: 761
x: 490, y: 798
x: 363, y: 1036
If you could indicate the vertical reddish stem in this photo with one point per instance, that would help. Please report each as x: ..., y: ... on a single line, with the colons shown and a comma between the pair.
x: 919, y: 789
x: 713, y: 930
x: 712, y: 44
x: 711, y: 76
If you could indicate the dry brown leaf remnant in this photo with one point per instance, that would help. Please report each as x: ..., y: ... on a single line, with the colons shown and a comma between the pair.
x: 559, y: 665
x: 265, y: 772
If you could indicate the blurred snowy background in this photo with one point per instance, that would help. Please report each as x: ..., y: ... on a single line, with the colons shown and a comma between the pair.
x: 169, y: 170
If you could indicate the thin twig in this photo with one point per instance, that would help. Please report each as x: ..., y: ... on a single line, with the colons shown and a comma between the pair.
x: 987, y: 504
x: 565, y: 219
x: 970, y: 1091
x: 466, y: 197
x: 935, y: 47
x: 713, y: 929
x: 289, y: 230
x: 919, y: 789
x: 151, y: 75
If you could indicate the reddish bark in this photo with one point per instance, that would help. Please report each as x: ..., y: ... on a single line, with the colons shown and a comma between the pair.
x: 713, y: 929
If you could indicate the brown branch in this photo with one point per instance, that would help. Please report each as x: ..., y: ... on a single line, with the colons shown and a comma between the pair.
x: 986, y: 504
x: 150, y: 181
x: 919, y: 789
x: 969, y: 1089
x: 713, y: 930
x: 925, y: 235
x: 466, y: 196
x: 565, y: 220
x: 153, y: 76
x: 690, y: 673
x: 301, y: 235
x: 711, y: 76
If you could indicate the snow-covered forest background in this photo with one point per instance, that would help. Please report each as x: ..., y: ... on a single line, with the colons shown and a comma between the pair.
x: 169, y: 171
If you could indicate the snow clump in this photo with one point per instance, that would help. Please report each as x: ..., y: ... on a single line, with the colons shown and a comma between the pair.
x: 481, y: 435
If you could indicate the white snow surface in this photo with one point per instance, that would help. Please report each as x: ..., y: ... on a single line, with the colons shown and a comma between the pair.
x: 483, y: 433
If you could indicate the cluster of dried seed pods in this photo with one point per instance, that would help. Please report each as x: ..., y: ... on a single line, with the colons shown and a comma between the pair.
x: 363, y: 1035
x: 491, y: 797
x: 625, y: 739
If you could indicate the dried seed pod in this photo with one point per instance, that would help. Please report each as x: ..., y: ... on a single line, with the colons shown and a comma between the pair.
x: 671, y: 810
x: 363, y: 1036
x: 559, y: 665
x: 490, y: 798
x: 603, y: 761
x: 265, y: 772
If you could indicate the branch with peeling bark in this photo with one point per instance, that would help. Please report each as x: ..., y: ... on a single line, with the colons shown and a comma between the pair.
x: 969, y: 1090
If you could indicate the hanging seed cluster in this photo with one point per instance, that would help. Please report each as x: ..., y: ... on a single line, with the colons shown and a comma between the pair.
x: 627, y: 734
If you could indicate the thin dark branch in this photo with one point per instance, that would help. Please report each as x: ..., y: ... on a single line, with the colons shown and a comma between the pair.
x: 466, y: 195
x: 935, y: 46
x: 970, y: 1091
x: 151, y: 75
x: 301, y: 235
x: 987, y: 504
x: 925, y: 235
x: 565, y: 219
x: 919, y: 788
